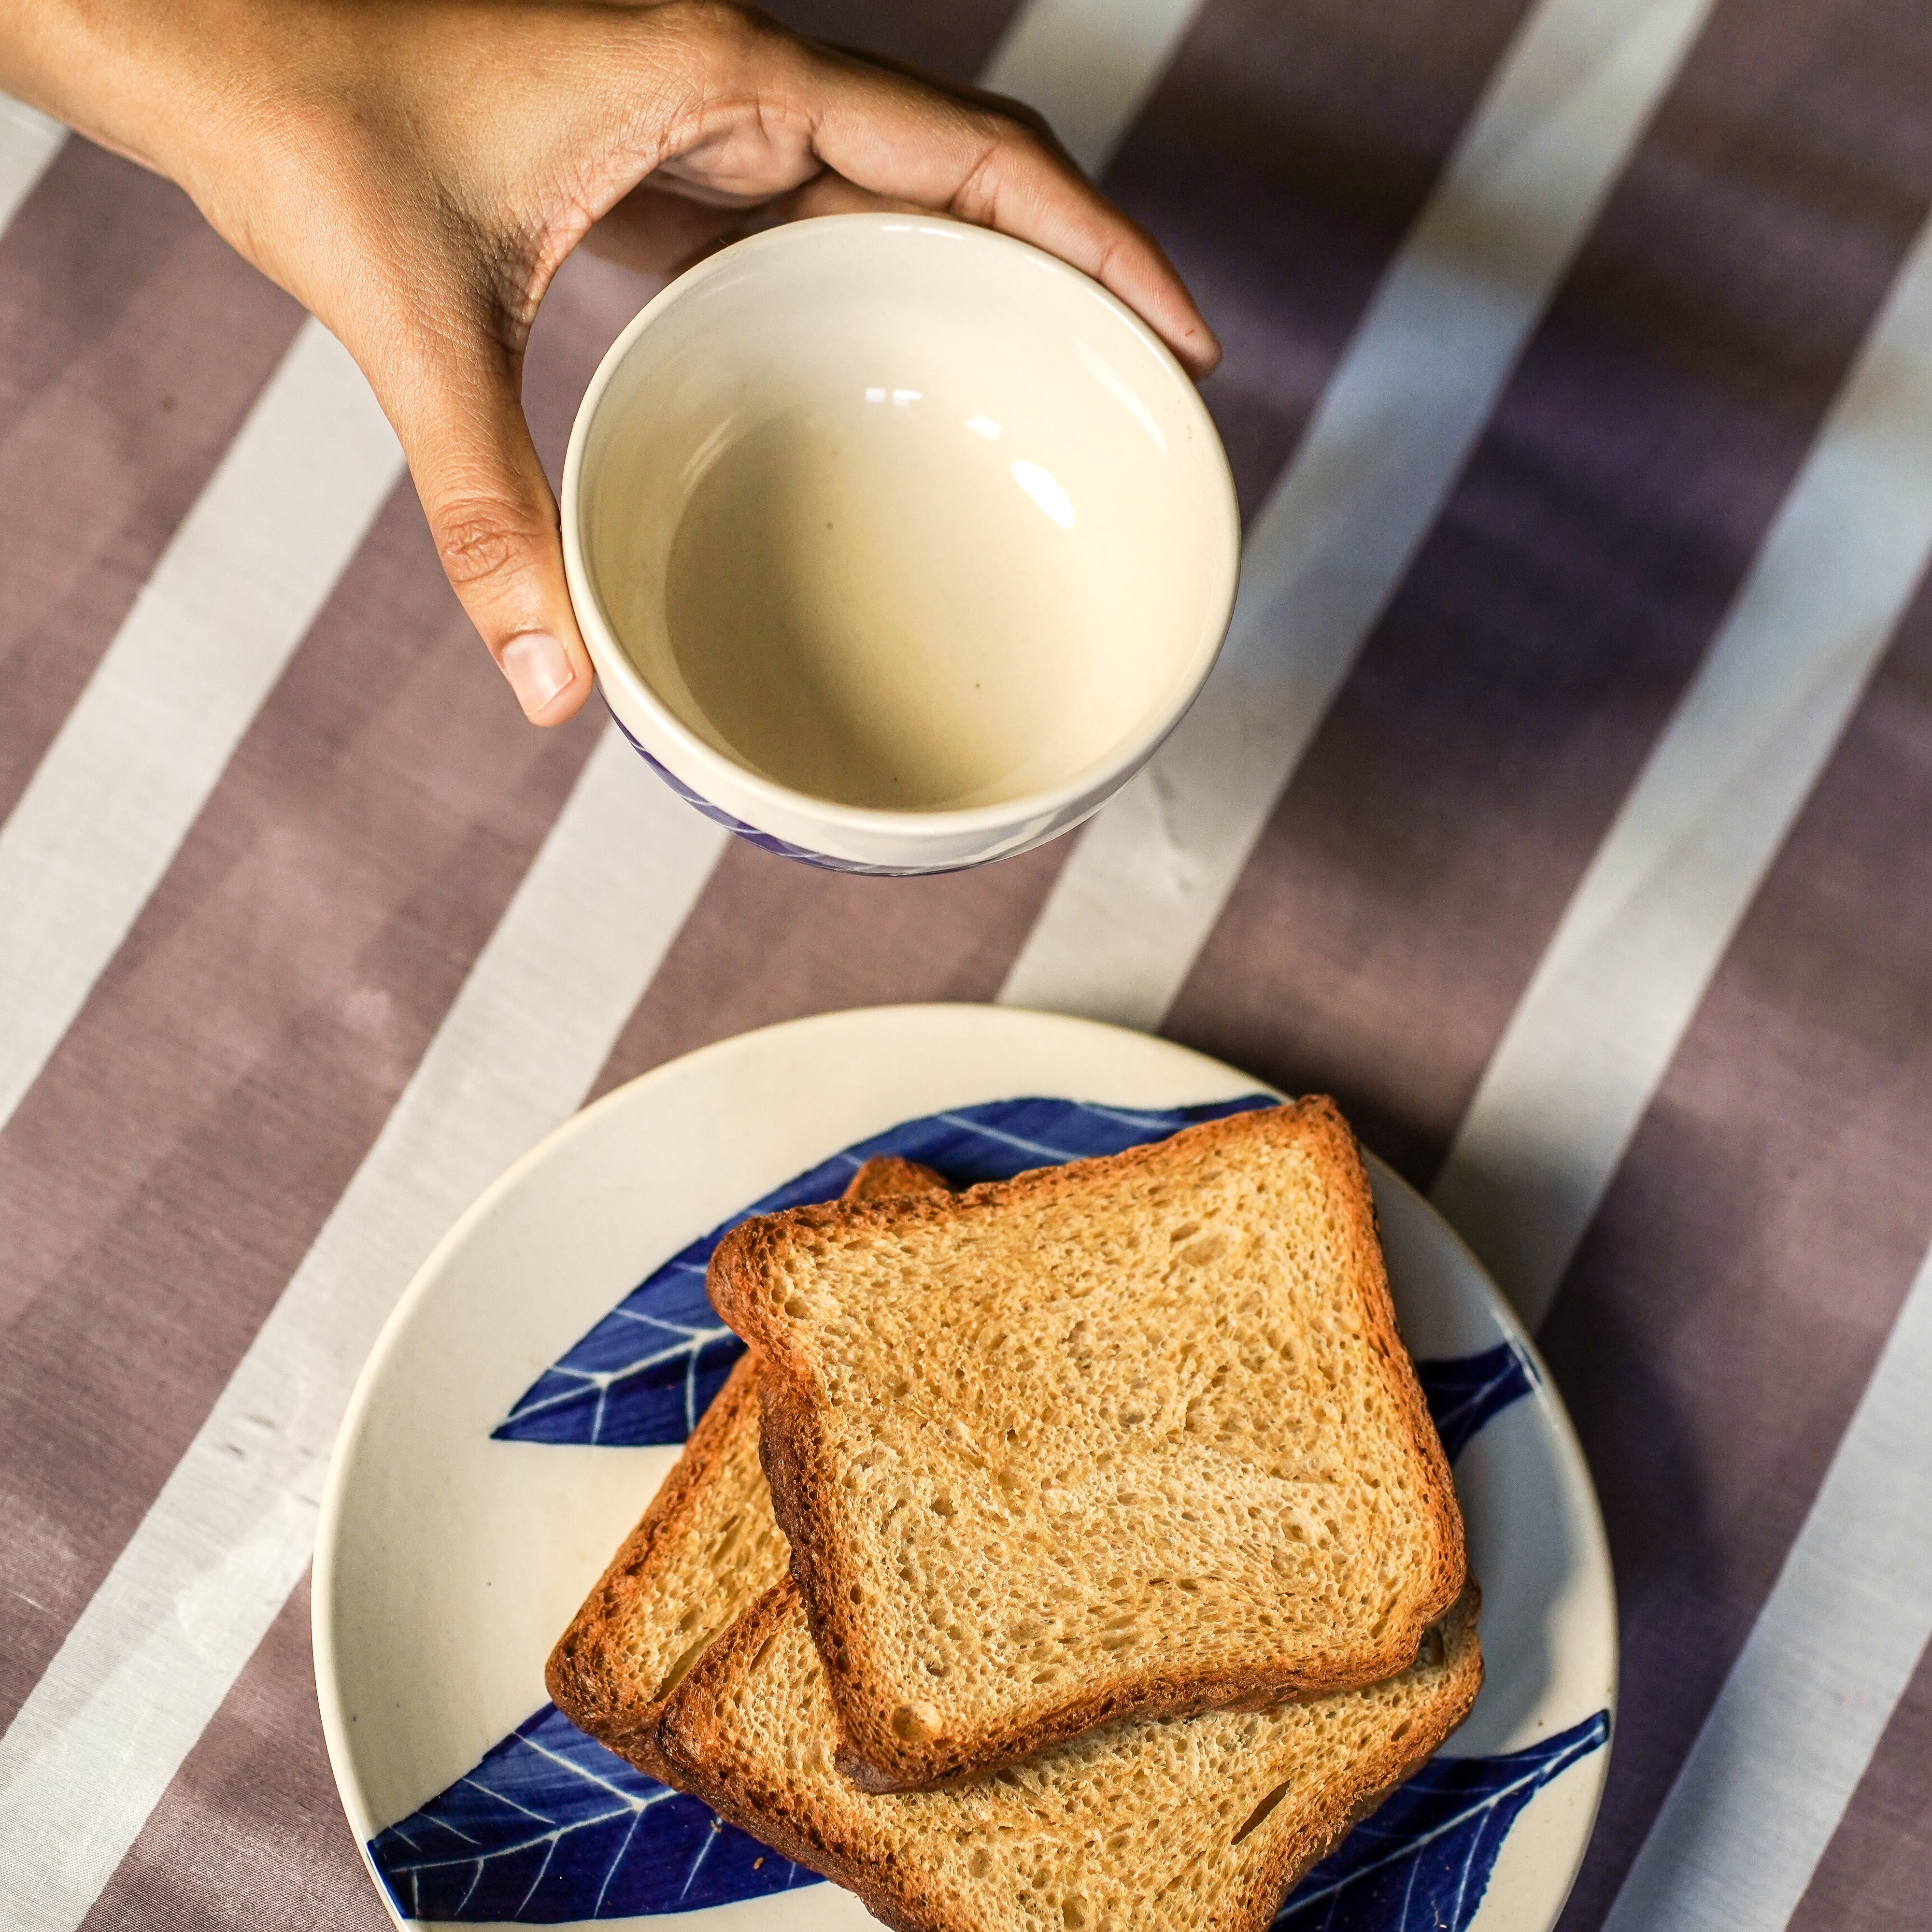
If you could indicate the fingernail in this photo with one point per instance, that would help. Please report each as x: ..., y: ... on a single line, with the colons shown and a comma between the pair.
x: 537, y: 667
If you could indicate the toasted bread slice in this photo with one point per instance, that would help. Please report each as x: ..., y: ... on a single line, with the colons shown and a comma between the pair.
x: 707, y: 1548
x: 1173, y: 1825
x: 1136, y: 1436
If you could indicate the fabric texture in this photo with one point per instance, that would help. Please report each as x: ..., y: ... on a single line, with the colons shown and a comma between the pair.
x: 1744, y: 1251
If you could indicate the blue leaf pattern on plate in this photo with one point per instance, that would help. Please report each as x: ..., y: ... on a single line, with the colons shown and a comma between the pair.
x: 648, y: 1370
x: 1423, y: 1861
x: 551, y: 1828
x: 1463, y: 1392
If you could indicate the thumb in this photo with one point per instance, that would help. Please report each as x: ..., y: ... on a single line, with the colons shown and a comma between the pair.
x: 494, y: 520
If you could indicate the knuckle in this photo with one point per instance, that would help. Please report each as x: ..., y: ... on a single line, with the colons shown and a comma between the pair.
x: 744, y: 70
x: 1021, y: 126
x: 977, y: 197
x: 483, y: 540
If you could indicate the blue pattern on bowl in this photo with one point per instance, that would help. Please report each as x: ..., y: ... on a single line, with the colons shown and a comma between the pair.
x: 766, y: 841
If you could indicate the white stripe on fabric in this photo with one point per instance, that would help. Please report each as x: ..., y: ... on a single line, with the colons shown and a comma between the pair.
x: 1803, y: 1709
x: 28, y: 143
x: 1134, y: 903
x: 146, y: 1666
x: 131, y: 769
x: 1650, y: 918
x: 1088, y: 65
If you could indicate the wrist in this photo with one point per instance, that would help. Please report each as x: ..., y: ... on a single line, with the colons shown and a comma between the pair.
x: 151, y: 79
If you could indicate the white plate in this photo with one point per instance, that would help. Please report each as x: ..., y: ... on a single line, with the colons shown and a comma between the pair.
x: 447, y: 1562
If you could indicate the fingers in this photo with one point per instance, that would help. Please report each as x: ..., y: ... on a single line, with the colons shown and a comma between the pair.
x: 653, y: 232
x: 494, y: 520
x: 765, y: 111
x: 889, y: 133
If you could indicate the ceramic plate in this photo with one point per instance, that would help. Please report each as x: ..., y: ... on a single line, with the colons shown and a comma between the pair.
x: 529, y: 1391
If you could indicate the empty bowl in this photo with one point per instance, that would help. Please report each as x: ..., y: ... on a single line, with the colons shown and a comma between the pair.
x: 898, y: 544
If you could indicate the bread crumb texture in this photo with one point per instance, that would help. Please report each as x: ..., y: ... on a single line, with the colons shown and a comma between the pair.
x: 1136, y: 1434
x: 1162, y: 1824
x: 732, y: 1552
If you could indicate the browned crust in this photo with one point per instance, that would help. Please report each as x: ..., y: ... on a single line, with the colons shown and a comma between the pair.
x: 1375, y: 1778
x: 887, y: 1175
x: 587, y: 1682
x: 796, y: 1463
x: 586, y: 1679
x: 705, y: 1762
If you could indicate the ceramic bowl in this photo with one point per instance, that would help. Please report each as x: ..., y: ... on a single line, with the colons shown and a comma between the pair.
x: 898, y: 545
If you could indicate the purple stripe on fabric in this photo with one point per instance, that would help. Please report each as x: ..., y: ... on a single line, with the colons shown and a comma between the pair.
x: 170, y: 1169
x: 133, y: 340
x: 250, y: 1833
x: 1876, y: 1874
x: 1724, y: 1312
x: 953, y: 39
x: 1279, y: 162
x: 1413, y: 872
x: 769, y: 939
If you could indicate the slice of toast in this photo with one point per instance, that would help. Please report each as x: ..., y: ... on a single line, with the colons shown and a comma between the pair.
x: 1174, y: 1825
x: 1133, y: 1436
x: 707, y: 1548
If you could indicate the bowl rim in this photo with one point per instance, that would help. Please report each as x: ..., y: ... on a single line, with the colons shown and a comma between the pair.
x: 614, y: 664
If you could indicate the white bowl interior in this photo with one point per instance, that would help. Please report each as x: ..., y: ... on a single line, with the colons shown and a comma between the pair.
x: 905, y: 515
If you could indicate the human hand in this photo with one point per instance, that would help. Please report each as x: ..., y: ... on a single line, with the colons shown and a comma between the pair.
x: 414, y: 172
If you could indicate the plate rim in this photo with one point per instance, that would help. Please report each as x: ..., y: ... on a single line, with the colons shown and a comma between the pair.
x: 428, y: 1272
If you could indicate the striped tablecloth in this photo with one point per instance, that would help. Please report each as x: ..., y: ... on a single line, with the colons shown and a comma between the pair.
x: 1563, y: 804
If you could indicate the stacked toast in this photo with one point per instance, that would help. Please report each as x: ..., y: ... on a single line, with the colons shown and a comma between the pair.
x: 1074, y: 1551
